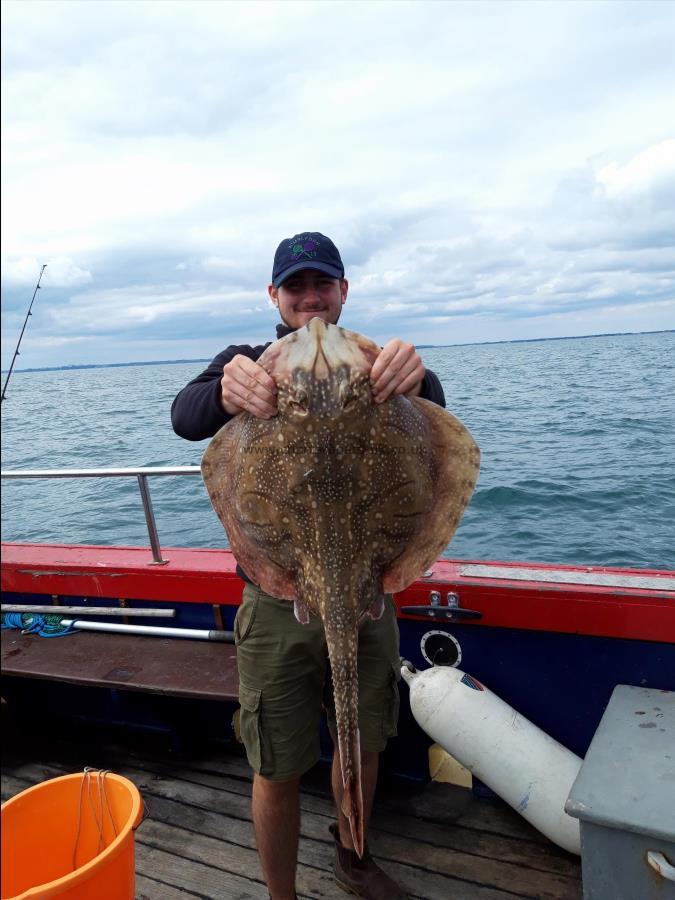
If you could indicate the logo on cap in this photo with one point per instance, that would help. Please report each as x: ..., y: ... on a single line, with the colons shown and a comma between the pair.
x: 303, y: 249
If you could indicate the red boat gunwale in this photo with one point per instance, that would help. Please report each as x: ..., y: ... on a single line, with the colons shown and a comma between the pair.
x: 208, y: 576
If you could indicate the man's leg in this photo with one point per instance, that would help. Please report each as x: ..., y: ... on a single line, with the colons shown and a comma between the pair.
x: 281, y: 676
x: 276, y: 819
x: 369, y: 766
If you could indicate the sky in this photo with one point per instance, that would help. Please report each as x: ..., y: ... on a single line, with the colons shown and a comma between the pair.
x: 489, y: 171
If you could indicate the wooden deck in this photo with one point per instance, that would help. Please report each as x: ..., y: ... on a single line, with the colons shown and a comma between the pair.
x: 197, y: 841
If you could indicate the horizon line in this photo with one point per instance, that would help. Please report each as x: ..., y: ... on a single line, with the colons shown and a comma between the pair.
x: 164, y: 362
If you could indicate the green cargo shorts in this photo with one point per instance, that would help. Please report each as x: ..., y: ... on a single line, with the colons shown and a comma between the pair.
x: 284, y: 684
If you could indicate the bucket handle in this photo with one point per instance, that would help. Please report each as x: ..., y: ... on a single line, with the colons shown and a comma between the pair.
x: 104, y: 807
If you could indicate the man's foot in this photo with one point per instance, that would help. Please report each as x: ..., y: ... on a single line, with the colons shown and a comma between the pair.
x: 362, y: 877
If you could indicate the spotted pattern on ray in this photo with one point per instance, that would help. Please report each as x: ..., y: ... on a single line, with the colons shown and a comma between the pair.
x: 338, y: 499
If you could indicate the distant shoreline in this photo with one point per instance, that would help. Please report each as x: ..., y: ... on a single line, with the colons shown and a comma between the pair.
x: 167, y: 362
x: 121, y: 365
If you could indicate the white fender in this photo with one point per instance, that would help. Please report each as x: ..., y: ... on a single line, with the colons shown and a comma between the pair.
x: 532, y: 772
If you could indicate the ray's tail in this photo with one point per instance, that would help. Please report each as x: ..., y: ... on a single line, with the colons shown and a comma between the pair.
x: 346, y: 694
x: 352, y: 795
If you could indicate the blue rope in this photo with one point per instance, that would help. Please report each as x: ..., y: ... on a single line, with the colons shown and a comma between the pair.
x: 29, y: 623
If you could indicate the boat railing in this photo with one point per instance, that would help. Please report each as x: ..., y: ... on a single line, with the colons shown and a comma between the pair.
x: 141, y: 474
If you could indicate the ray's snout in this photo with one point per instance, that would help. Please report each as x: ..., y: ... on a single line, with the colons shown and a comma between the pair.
x: 317, y: 327
x: 319, y: 350
x: 328, y: 350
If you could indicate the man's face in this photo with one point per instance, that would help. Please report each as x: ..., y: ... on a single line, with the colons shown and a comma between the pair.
x: 307, y: 294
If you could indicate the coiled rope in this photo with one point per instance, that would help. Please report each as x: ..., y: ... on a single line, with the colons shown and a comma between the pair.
x: 45, y: 626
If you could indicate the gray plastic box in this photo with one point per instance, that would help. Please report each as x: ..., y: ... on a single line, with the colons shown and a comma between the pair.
x: 624, y: 797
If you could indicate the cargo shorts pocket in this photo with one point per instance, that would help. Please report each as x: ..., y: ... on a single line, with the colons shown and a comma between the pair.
x: 392, y: 704
x: 249, y: 725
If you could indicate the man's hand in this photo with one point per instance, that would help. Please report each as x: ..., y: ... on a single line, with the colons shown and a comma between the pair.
x: 246, y: 386
x: 397, y: 370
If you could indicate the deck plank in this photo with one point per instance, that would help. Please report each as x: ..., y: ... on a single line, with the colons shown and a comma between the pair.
x: 198, y: 840
x: 150, y: 888
x: 181, y: 870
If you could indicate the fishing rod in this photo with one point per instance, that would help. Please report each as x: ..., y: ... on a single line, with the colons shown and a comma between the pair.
x: 25, y: 322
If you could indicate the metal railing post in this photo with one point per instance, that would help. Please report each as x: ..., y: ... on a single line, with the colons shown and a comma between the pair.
x: 150, y: 521
x: 142, y: 473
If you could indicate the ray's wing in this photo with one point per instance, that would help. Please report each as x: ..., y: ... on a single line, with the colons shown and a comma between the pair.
x: 455, y: 461
x: 248, y: 518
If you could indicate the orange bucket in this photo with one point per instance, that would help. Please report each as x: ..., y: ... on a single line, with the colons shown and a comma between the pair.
x: 71, y: 837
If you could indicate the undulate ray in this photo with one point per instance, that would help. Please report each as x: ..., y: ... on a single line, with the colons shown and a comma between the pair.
x: 338, y: 499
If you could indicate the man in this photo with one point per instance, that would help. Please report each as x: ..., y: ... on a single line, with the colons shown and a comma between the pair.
x: 283, y: 669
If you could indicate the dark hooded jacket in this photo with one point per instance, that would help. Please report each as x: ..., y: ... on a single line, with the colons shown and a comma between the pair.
x: 196, y: 412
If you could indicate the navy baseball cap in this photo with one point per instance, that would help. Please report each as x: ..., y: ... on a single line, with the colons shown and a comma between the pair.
x: 309, y: 250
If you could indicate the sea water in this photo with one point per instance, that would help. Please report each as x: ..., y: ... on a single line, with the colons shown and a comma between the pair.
x: 577, y: 438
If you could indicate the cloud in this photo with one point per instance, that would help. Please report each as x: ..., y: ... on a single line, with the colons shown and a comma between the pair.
x: 139, y: 305
x: 472, y: 162
x: 652, y: 171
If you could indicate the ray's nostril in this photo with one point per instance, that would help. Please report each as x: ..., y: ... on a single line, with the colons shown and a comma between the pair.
x: 299, y: 400
x: 345, y: 394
